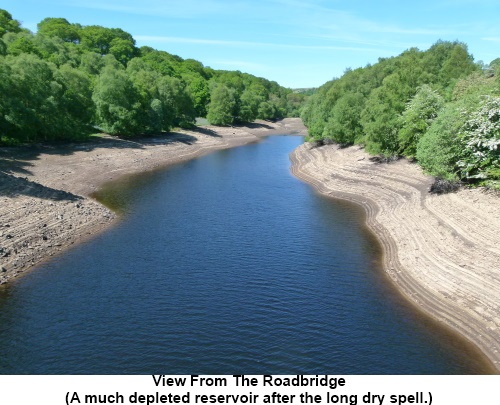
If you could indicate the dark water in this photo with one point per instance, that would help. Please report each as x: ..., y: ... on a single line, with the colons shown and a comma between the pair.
x: 226, y: 264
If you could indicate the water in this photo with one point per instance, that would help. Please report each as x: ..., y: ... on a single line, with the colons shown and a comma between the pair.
x: 226, y: 264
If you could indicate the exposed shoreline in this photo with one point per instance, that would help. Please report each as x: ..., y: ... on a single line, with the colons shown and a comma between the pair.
x: 45, y: 191
x: 442, y: 251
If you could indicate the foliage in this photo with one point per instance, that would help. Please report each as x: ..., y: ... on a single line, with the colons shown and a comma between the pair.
x: 480, y: 135
x: 60, y: 28
x: 66, y: 78
x: 199, y: 91
x: 417, y: 117
x: 7, y: 23
x: 439, y: 148
x: 344, y: 126
x: 58, y: 106
x: 477, y: 83
x: 222, y: 105
x: 117, y: 103
x: 437, y: 106
x: 250, y: 105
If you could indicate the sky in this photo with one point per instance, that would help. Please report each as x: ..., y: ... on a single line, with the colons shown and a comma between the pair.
x: 298, y: 43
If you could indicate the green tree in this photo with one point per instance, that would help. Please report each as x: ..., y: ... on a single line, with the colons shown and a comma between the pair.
x: 458, y: 64
x: 417, y: 117
x: 222, y: 106
x: 30, y: 109
x: 91, y: 63
x: 21, y: 43
x: 344, y: 125
x: 250, y: 103
x: 198, y: 89
x: 122, y: 49
x: 161, y: 61
x: 75, y: 102
x: 480, y: 136
x: 380, y: 117
x: 177, y: 101
x: 60, y: 28
x: 117, y: 103
x: 438, y: 150
x: 7, y: 23
x: 191, y: 66
x: 100, y: 39
x: 295, y: 101
x: 150, y: 108
x: 266, y: 110
x: 7, y: 101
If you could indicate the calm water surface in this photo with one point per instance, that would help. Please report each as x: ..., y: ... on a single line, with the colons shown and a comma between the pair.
x: 226, y: 264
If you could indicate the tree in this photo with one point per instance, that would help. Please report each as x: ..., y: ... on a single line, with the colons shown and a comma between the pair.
x: 7, y: 23
x: 21, y: 43
x: 480, y: 135
x: 91, y: 63
x: 30, y: 109
x: 380, y: 117
x: 99, y: 39
x: 222, y: 106
x: 193, y: 66
x: 178, y: 104
x: 198, y: 89
x: 438, y: 150
x: 60, y: 28
x: 117, y: 103
x: 458, y: 64
x: 249, y: 106
x: 66, y: 77
x: 344, y: 126
x: 75, y: 102
x: 151, y: 110
x: 161, y: 61
x: 417, y: 117
x: 7, y: 127
x: 266, y: 110
x: 122, y: 49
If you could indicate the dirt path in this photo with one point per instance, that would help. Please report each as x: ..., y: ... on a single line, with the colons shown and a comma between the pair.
x: 44, y: 190
x: 443, y: 251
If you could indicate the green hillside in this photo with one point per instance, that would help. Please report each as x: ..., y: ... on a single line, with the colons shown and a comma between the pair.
x: 437, y: 106
x: 68, y: 80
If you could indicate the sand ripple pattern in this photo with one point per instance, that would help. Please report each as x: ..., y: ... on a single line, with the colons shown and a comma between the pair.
x: 443, y: 251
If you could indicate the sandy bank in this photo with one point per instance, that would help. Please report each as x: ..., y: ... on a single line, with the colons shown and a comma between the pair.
x: 44, y: 190
x: 443, y: 251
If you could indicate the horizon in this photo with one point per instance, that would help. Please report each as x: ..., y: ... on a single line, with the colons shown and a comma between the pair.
x: 299, y: 44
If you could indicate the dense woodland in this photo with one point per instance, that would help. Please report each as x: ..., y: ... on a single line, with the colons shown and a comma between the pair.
x: 437, y: 107
x: 68, y: 81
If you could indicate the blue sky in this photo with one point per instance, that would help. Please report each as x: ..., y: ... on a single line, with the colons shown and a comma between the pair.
x: 298, y: 43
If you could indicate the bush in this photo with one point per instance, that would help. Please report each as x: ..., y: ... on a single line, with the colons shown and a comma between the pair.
x: 417, y: 117
x: 480, y: 135
x: 438, y: 150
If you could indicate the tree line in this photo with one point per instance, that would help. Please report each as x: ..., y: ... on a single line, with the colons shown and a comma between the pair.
x: 67, y: 80
x: 437, y: 107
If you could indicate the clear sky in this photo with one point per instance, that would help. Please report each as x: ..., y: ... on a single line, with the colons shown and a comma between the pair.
x: 298, y: 43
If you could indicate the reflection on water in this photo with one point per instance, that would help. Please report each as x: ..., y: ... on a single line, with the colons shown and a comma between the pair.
x: 226, y: 264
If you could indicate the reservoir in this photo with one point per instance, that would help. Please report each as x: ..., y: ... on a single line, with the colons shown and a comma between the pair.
x: 226, y: 264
